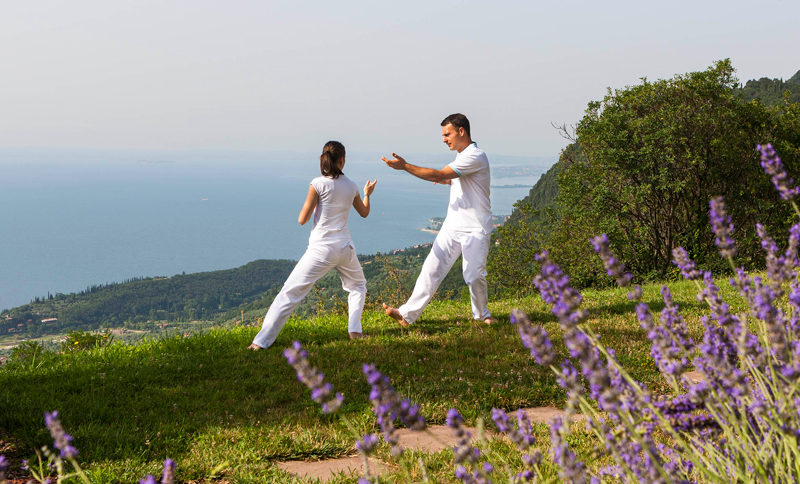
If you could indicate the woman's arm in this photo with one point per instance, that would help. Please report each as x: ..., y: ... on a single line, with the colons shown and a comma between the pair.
x: 308, y: 206
x: 362, y: 207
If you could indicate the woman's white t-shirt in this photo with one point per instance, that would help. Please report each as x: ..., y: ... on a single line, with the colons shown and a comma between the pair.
x: 333, y: 208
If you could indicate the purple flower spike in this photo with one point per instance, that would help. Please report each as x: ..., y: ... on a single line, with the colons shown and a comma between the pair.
x: 149, y: 479
x: 463, y: 451
x: 685, y: 264
x: 367, y: 444
x: 774, y: 168
x: 61, y: 440
x: 168, y: 475
x: 321, y: 392
x: 780, y: 267
x: 614, y: 267
x: 570, y: 468
x: 389, y: 406
x: 3, y: 467
x: 534, y: 337
x: 723, y: 227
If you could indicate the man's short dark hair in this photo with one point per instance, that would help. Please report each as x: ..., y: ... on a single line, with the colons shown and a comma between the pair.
x: 458, y: 120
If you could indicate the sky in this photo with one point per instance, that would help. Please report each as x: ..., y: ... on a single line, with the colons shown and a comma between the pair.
x: 267, y: 76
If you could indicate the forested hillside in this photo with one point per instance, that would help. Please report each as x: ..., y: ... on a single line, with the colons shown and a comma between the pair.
x: 213, y: 295
x: 181, y: 297
x: 772, y: 91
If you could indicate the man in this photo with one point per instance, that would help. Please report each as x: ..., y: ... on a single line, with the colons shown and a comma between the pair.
x: 466, y: 230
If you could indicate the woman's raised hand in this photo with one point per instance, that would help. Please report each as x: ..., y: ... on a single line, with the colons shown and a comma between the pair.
x: 369, y: 187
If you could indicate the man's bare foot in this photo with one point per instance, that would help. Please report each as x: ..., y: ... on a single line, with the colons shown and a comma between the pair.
x: 254, y: 347
x: 490, y: 320
x: 356, y: 335
x: 395, y: 314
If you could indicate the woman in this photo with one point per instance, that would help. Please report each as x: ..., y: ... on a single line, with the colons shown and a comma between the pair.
x: 329, y: 198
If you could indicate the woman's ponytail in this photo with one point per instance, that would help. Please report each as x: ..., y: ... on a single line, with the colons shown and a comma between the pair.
x: 332, y: 154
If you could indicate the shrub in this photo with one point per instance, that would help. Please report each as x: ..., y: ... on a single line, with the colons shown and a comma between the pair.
x: 82, y: 340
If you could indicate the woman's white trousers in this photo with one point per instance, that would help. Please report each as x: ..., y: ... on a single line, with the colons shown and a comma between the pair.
x: 315, y: 263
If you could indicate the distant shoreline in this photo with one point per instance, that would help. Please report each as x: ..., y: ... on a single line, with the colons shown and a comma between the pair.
x: 510, y: 186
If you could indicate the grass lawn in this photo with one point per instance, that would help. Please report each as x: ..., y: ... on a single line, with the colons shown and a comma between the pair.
x: 223, y: 412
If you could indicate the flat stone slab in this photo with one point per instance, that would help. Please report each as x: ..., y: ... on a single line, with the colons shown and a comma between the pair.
x: 434, y: 439
x: 546, y: 414
x: 326, y: 470
x: 694, y: 376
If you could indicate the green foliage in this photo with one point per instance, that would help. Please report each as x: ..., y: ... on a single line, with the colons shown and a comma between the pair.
x: 27, y: 351
x: 528, y: 229
x: 772, y: 91
x: 646, y: 161
x: 83, y: 340
x: 184, y: 297
x: 656, y: 153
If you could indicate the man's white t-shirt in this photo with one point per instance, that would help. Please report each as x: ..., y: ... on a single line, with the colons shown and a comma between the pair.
x: 333, y: 208
x: 470, y: 209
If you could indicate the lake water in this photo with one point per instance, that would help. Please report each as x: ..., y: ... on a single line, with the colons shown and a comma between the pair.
x: 73, y: 219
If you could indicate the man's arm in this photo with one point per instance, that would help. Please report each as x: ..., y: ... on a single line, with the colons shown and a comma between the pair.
x: 437, y: 176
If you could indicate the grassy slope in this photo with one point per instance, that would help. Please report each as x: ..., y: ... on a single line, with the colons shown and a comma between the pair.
x: 206, y: 402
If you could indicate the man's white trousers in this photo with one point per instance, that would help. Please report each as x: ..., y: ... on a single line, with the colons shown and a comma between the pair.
x: 315, y: 263
x: 474, y: 247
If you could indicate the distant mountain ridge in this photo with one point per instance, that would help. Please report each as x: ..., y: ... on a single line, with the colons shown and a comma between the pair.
x: 772, y: 91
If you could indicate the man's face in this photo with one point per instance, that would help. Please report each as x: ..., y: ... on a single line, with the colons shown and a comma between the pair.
x: 455, y: 138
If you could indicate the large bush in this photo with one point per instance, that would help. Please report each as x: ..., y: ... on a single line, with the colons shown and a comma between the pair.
x: 652, y: 156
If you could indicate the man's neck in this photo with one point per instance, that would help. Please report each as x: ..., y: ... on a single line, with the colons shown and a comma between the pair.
x: 465, y: 146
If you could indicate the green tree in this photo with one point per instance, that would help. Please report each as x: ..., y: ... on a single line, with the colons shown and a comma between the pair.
x: 655, y: 154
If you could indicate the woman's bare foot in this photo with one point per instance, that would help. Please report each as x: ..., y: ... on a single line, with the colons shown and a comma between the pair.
x: 356, y: 335
x: 254, y: 347
x: 490, y: 320
x: 395, y: 314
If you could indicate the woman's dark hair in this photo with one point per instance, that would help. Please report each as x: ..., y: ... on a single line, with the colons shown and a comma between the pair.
x: 332, y: 153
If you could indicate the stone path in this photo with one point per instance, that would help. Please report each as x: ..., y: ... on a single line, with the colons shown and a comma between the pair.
x: 325, y: 470
x: 436, y: 439
x: 694, y: 376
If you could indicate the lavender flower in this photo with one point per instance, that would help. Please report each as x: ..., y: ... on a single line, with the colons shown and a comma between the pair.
x: 554, y: 287
x: 464, y: 453
x: 521, y: 435
x: 685, y: 264
x: 723, y: 227
x: 568, y: 380
x: 534, y: 337
x: 614, y: 267
x: 762, y: 299
x: 321, y: 392
x: 168, y: 474
x: 774, y: 168
x: 388, y: 406
x: 3, y: 467
x: 717, y: 363
x: 367, y: 444
x: 61, y: 440
x: 668, y: 340
x: 570, y: 468
x: 780, y: 267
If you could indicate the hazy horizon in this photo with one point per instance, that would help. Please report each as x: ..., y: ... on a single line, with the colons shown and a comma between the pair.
x: 280, y: 75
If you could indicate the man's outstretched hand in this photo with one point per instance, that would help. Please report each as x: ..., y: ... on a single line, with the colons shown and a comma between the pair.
x: 398, y: 162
